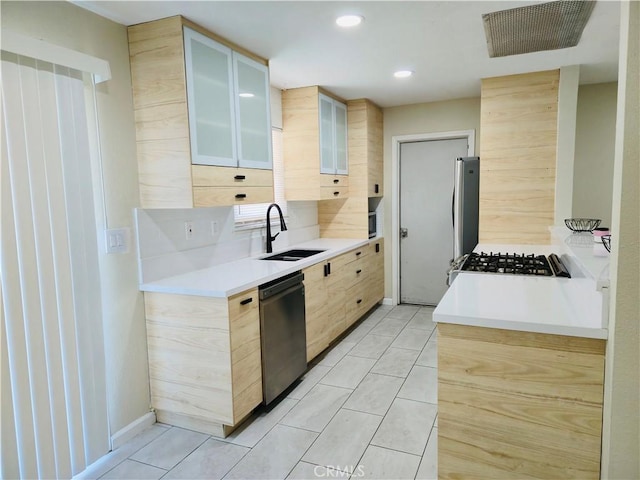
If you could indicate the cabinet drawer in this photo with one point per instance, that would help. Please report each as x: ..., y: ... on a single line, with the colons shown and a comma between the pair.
x: 208, y: 176
x: 356, y: 272
x: 357, y: 254
x: 327, y: 193
x: 220, y: 196
x: 243, y: 303
x: 356, y: 302
x: 334, y: 180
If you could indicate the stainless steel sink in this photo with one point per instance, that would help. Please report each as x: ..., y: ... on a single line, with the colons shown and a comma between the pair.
x: 292, y: 255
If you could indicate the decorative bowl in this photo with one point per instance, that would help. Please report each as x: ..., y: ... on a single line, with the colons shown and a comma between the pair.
x: 582, y: 224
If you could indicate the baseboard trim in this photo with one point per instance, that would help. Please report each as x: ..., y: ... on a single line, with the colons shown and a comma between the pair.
x: 387, y: 301
x: 126, y: 433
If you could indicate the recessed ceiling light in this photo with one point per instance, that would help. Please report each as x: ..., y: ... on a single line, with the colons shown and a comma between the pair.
x: 349, y: 20
x: 403, y: 73
x: 246, y: 95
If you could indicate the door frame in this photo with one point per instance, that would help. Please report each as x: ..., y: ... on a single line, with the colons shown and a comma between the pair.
x: 396, y: 141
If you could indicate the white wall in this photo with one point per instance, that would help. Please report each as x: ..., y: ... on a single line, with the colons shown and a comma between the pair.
x: 65, y: 24
x: 621, y: 422
x: 453, y: 115
x: 594, y: 151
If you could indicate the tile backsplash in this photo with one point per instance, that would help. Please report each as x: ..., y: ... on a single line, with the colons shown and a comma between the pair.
x: 164, y: 249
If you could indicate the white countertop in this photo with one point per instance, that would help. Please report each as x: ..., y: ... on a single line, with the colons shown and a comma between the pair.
x: 234, y: 277
x: 559, y: 306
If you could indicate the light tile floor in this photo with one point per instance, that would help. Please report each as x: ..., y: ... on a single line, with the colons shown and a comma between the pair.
x: 364, y: 409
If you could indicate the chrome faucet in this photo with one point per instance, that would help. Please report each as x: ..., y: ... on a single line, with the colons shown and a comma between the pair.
x: 283, y: 227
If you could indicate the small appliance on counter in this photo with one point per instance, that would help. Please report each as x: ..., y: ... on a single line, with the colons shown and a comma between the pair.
x: 509, y: 263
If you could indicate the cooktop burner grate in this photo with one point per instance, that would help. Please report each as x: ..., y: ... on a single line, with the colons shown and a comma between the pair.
x: 517, y: 264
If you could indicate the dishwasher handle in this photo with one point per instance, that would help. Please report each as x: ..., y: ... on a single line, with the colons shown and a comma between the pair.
x: 278, y: 285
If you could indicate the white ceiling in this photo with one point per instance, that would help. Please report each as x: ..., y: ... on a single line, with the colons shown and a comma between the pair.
x: 442, y: 41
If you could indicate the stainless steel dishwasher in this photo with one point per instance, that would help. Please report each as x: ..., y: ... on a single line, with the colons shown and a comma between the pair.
x: 282, y: 334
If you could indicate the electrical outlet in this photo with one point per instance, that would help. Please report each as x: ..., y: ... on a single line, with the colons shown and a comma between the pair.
x: 214, y: 228
x: 188, y: 230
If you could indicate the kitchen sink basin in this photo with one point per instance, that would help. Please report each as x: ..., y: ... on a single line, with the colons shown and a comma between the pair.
x: 292, y: 255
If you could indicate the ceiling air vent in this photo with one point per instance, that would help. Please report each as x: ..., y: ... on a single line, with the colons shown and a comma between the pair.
x: 544, y: 26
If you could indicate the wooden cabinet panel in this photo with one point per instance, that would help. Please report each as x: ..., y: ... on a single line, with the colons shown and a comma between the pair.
x: 302, y: 145
x: 159, y: 81
x: 518, y: 142
x: 316, y: 312
x: 207, y: 176
x: 531, y: 402
x: 204, y: 357
x: 349, y: 218
x: 209, y: 196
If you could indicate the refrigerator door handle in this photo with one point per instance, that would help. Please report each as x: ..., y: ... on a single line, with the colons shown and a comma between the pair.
x: 457, y: 208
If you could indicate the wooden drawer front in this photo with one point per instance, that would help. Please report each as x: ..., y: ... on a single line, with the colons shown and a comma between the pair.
x: 356, y: 272
x: 327, y: 193
x: 357, y: 254
x: 210, y: 176
x: 356, y: 302
x: 334, y: 180
x: 223, y: 196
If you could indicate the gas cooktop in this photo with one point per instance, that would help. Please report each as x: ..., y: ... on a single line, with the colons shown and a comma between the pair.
x: 512, y: 263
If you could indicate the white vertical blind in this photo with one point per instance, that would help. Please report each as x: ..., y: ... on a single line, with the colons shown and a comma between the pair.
x: 53, y: 380
x: 257, y: 211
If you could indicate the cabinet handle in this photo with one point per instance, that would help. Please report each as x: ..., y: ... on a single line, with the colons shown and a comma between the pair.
x: 336, y: 180
x: 358, y: 253
x: 358, y: 272
x: 376, y: 188
x: 243, y: 177
x: 329, y: 268
x: 377, y: 248
x: 336, y: 193
x: 246, y: 301
x: 326, y: 270
x: 241, y: 195
x: 359, y: 301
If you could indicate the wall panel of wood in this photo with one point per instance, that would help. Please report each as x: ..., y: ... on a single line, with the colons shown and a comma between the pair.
x: 518, y: 138
x: 518, y: 404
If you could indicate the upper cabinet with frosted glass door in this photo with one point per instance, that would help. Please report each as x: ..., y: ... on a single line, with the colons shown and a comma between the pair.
x: 203, y: 122
x: 333, y: 136
x: 228, y: 99
x: 314, y: 145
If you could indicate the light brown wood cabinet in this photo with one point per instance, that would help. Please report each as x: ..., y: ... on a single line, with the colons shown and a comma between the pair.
x: 204, y: 359
x: 302, y: 148
x: 348, y: 218
x: 167, y: 177
x: 518, y: 404
x: 340, y: 291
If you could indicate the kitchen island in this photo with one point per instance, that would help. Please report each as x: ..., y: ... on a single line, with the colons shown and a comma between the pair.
x: 521, y: 370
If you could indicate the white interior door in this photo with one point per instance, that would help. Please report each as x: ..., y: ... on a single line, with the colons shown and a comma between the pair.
x: 426, y: 239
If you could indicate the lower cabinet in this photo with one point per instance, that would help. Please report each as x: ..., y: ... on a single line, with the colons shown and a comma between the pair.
x: 204, y: 359
x: 339, y: 291
x: 517, y: 404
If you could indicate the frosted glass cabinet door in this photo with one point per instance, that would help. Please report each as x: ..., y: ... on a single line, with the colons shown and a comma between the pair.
x: 253, y: 116
x: 341, y: 138
x: 327, y: 158
x: 210, y: 100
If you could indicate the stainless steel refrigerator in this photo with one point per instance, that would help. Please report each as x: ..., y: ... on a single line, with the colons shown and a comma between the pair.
x: 465, y: 209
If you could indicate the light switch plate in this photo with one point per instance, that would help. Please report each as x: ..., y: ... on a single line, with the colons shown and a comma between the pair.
x: 117, y: 240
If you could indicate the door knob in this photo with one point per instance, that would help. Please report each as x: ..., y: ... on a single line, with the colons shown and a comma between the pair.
x: 404, y: 233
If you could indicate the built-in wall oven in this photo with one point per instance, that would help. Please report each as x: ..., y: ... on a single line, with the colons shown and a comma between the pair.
x: 282, y: 334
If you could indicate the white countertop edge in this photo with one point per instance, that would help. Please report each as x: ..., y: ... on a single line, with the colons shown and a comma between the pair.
x: 565, y: 330
x: 191, y: 283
